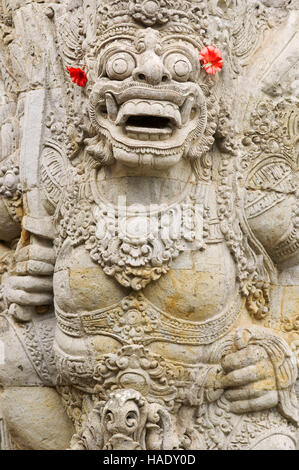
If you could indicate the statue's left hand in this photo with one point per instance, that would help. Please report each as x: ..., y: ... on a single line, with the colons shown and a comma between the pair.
x: 249, y: 380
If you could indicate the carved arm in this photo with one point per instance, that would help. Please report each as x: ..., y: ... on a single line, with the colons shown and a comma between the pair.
x: 276, y: 223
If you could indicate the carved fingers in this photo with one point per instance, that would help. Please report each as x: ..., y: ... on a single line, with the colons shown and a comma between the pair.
x: 29, y: 290
x: 266, y: 401
x: 243, y: 358
x: 249, y: 380
x: 253, y: 373
x: 249, y: 391
x: 37, y: 253
x: 31, y: 282
x: 21, y: 297
x: 38, y: 268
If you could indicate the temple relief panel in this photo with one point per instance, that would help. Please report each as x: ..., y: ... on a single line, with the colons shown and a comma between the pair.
x: 149, y: 224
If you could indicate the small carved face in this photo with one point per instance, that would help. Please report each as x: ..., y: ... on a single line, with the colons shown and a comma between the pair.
x: 147, y: 101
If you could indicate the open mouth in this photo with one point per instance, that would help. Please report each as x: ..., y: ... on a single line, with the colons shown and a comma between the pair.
x: 148, y: 118
x: 148, y: 127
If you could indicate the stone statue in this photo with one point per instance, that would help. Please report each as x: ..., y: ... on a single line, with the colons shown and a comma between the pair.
x: 149, y: 225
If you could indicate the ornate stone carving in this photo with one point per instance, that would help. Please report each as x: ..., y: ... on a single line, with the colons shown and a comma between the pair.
x: 10, y: 183
x: 149, y: 241
x: 136, y: 247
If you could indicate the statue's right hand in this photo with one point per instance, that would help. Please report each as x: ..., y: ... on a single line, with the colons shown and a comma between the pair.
x: 31, y: 282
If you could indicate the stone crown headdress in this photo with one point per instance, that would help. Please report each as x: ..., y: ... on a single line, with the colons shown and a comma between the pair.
x: 177, y: 15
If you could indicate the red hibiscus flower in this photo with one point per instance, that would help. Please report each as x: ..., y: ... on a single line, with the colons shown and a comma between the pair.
x: 78, y: 76
x: 211, y: 58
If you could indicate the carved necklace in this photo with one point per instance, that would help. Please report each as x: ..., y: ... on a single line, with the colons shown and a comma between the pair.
x: 136, y: 246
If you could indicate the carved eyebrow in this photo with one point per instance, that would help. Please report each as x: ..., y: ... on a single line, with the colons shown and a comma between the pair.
x: 112, y: 48
x: 123, y: 39
x: 182, y: 48
x: 117, y: 48
x: 182, y: 40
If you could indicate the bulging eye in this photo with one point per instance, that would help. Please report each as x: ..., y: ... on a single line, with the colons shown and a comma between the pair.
x: 120, y: 66
x: 179, y: 66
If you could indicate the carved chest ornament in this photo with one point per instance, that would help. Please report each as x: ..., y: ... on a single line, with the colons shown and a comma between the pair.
x: 136, y: 244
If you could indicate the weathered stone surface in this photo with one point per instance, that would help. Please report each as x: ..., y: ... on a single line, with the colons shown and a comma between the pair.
x: 149, y: 225
x: 44, y: 426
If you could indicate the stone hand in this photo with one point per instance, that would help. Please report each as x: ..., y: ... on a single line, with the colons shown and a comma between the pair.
x: 249, y: 380
x: 31, y: 285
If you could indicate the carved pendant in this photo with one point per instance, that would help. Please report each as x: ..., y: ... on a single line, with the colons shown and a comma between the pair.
x: 136, y: 247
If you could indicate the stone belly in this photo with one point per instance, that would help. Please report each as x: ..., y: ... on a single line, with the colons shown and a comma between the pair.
x: 179, y: 306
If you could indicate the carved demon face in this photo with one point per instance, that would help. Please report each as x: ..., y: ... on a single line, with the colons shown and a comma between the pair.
x: 147, y: 102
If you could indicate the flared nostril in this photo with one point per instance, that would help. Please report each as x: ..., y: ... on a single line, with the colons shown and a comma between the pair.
x: 151, y: 74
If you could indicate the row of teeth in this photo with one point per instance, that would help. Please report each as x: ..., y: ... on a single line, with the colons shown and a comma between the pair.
x: 145, y: 136
x: 144, y: 108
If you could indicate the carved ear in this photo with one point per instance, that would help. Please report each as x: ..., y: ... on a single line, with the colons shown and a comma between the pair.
x: 199, y: 150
